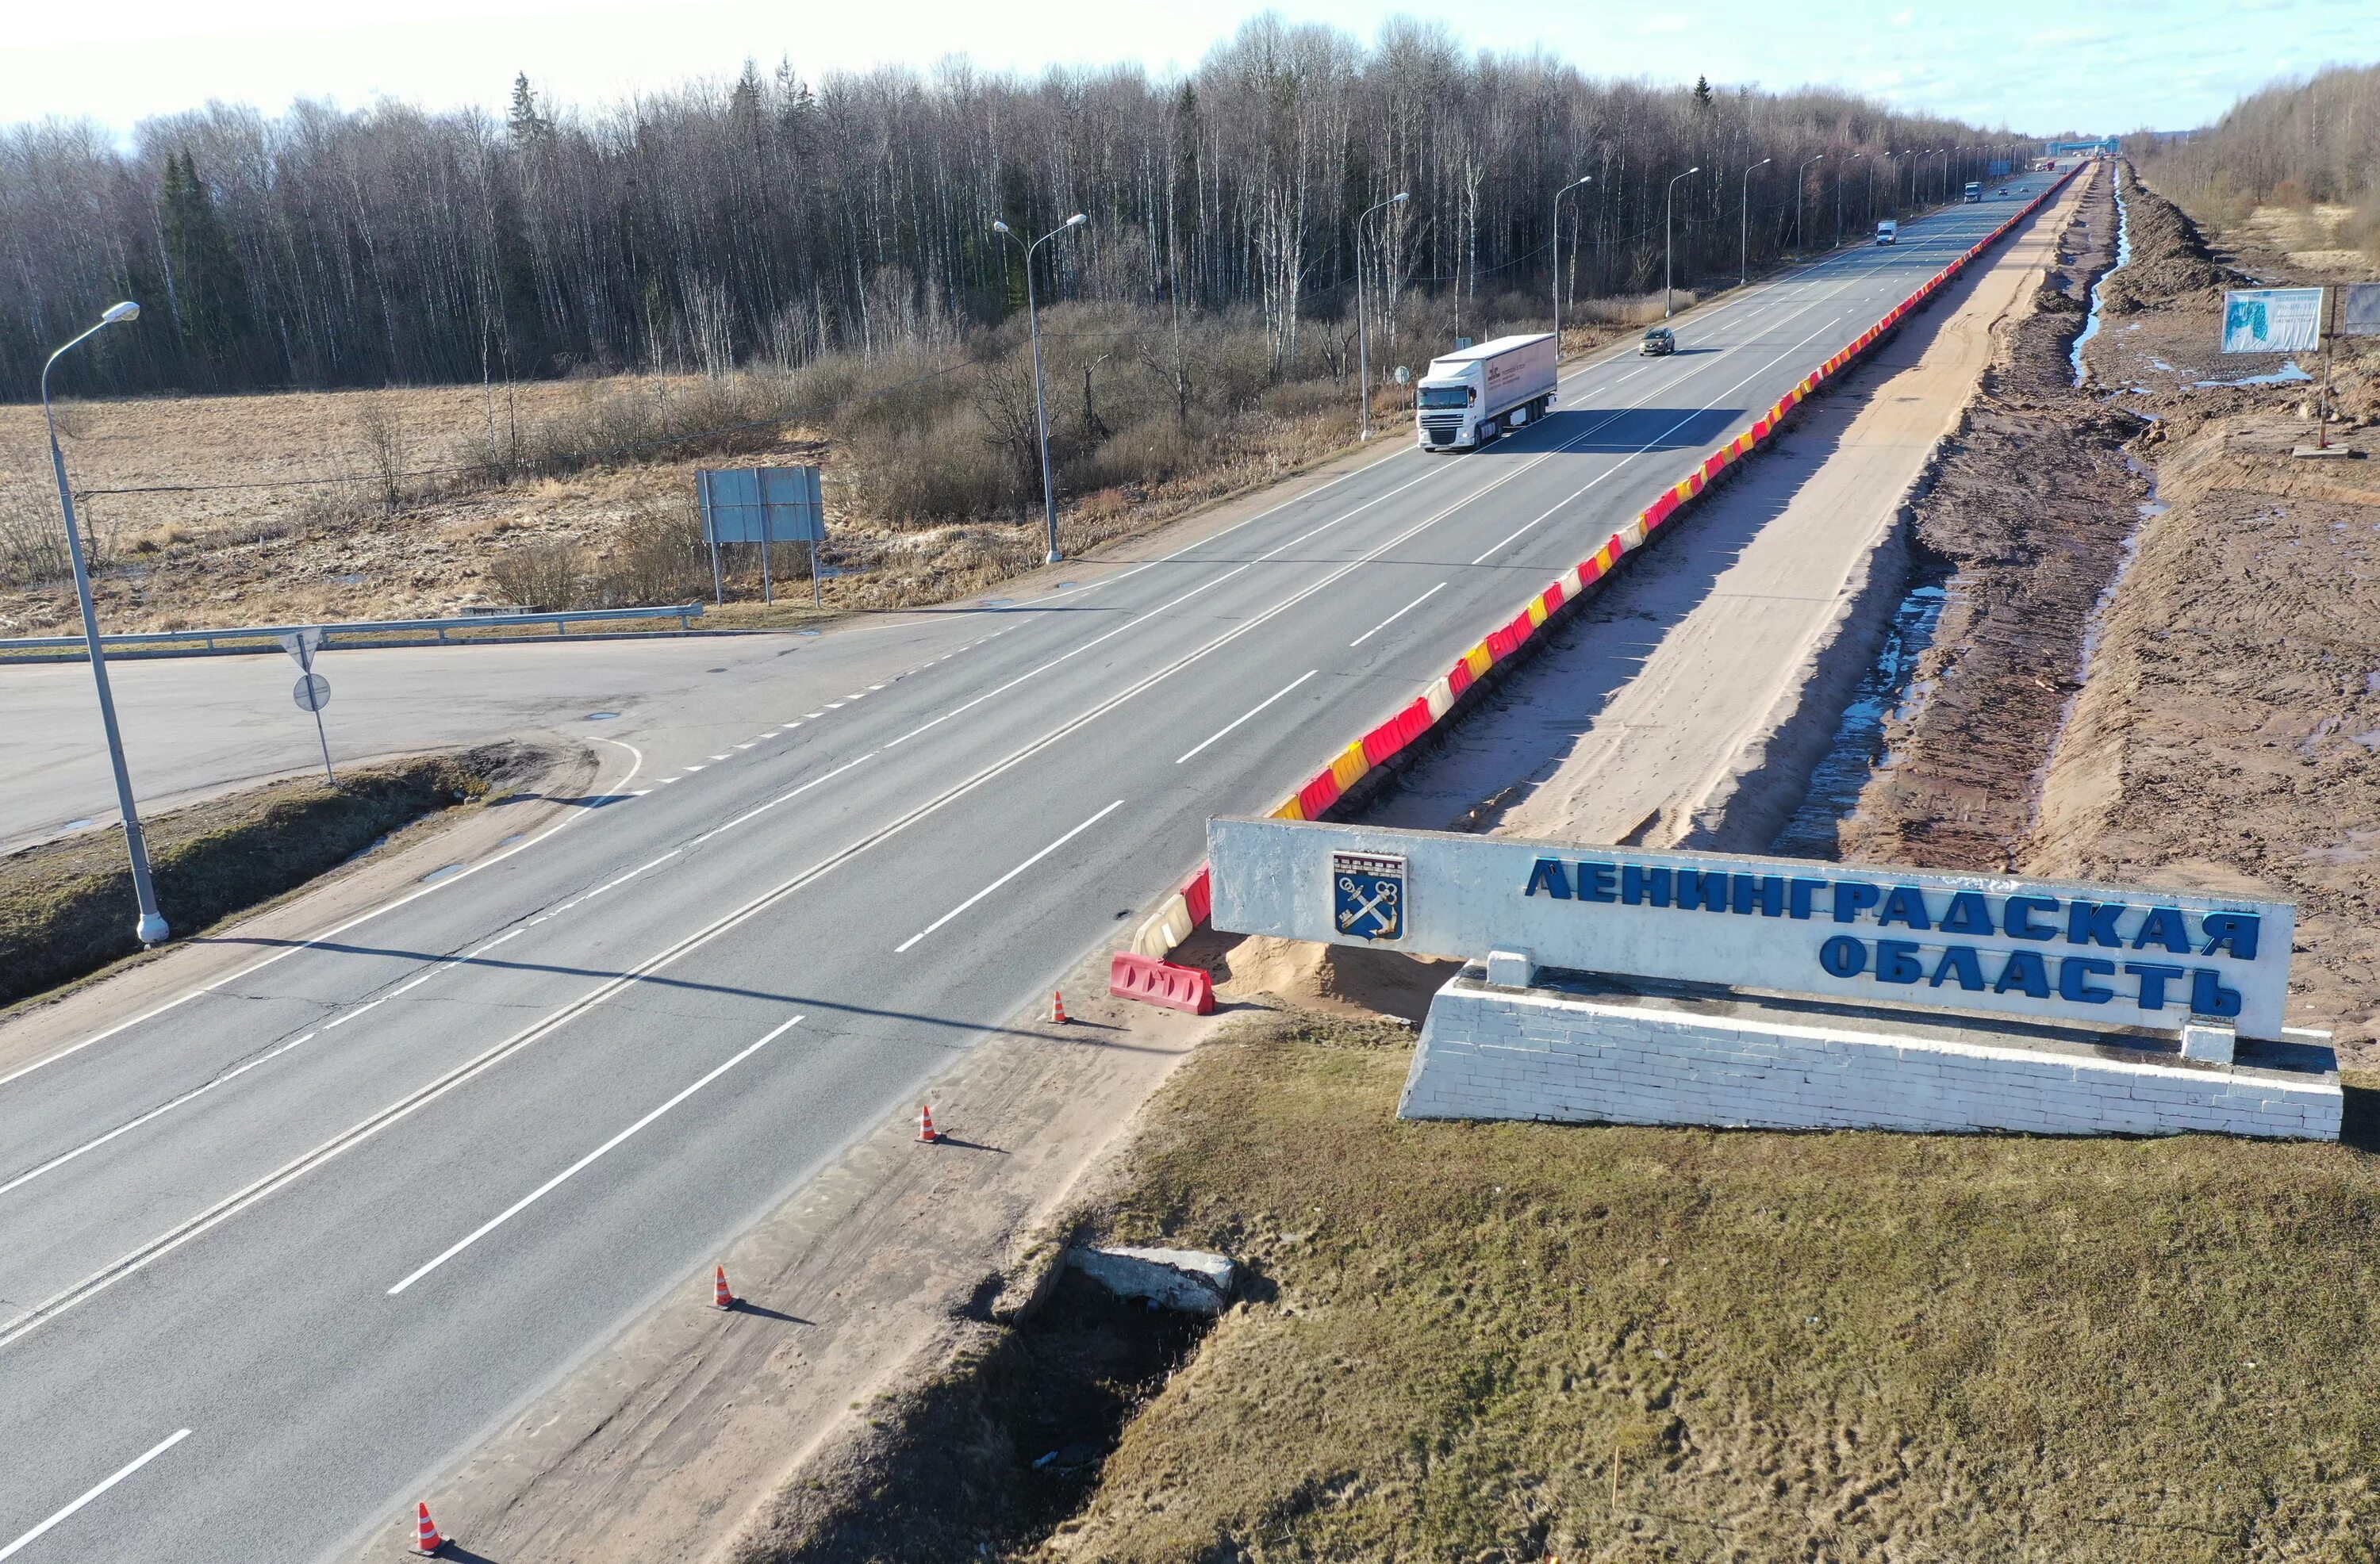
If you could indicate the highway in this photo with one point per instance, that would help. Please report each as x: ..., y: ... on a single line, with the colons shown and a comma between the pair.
x: 273, y: 1254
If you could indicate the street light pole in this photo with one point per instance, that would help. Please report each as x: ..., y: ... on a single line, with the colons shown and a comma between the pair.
x: 1363, y: 349
x: 1040, y: 402
x: 1743, y: 262
x: 1801, y: 241
x: 1566, y: 189
x: 150, y: 929
x: 1668, y: 203
x: 1841, y: 174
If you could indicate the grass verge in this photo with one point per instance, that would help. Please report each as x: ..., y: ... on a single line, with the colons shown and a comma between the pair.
x: 1513, y: 1342
x: 67, y: 906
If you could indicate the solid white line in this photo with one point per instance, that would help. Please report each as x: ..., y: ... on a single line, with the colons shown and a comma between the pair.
x: 160, y: 1448
x: 550, y: 1185
x: 1399, y: 613
x: 1253, y: 709
x: 1009, y: 876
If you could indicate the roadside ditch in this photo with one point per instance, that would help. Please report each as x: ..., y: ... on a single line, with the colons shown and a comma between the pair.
x: 2022, y: 529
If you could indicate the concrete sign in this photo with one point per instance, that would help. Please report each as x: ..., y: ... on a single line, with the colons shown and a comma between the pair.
x: 2272, y: 320
x: 2096, y: 955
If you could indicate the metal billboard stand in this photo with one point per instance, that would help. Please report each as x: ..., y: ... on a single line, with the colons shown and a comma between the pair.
x: 760, y: 506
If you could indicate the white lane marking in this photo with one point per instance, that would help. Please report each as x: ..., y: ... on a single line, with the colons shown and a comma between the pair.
x: 789, y: 727
x: 666, y: 780
x: 812, y: 716
x: 760, y: 809
x: 1009, y: 876
x: 160, y: 1448
x: 694, y: 768
x: 747, y: 745
x: 1399, y: 613
x: 636, y: 765
x: 876, y: 686
x: 1253, y: 709
x: 727, y: 757
x: 835, y: 705
x: 856, y: 695
x: 550, y: 1185
x: 62, y: 1158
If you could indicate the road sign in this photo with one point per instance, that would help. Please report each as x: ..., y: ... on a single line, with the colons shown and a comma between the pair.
x: 2272, y: 320
x: 2359, y: 309
x: 302, y: 645
x: 312, y: 692
x: 762, y: 505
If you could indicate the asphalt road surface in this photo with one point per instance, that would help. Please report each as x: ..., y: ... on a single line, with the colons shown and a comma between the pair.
x: 270, y: 1256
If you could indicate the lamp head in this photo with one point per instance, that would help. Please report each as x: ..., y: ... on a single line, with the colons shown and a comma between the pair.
x: 1400, y: 195
x: 127, y: 310
x: 999, y: 227
x: 1076, y: 221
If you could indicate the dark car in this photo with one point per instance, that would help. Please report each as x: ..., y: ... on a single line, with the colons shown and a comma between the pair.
x: 1658, y: 342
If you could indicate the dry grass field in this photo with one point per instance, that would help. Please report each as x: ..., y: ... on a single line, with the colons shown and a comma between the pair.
x: 1518, y: 1341
x: 413, y: 502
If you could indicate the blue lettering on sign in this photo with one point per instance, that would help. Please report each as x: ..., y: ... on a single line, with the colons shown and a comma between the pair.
x: 1372, y: 899
x: 2164, y: 925
x: 1843, y: 956
x: 2024, y: 971
x: 1968, y: 913
x: 2153, y: 977
x: 2233, y: 933
x: 2018, y: 913
x: 1905, y: 906
x: 2094, y: 923
x: 1642, y: 886
x: 1959, y: 962
x: 1896, y: 961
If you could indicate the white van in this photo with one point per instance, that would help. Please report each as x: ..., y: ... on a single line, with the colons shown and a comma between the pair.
x: 1887, y: 232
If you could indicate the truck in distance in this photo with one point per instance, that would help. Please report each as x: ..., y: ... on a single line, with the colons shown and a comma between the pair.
x: 1887, y: 232
x: 1975, y: 190
x: 1470, y: 396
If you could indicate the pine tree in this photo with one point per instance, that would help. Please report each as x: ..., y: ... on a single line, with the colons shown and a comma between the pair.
x: 528, y: 124
x: 1702, y: 93
x: 209, y: 289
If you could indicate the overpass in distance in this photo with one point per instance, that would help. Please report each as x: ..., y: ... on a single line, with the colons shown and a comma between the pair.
x: 339, y: 1215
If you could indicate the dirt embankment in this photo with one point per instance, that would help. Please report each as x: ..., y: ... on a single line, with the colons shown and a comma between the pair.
x: 2228, y: 732
x: 2027, y: 516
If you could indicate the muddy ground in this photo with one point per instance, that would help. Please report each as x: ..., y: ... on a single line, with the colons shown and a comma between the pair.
x: 2025, y: 524
x: 2161, y: 660
x: 2226, y: 733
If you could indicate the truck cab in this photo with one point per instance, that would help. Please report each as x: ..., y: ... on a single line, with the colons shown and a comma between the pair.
x: 1887, y: 232
x: 1975, y: 190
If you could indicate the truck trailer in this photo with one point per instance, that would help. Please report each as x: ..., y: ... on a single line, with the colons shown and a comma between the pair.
x: 1472, y: 395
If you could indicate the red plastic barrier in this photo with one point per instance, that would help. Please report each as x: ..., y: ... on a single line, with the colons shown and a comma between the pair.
x: 1155, y: 982
x: 1199, y: 894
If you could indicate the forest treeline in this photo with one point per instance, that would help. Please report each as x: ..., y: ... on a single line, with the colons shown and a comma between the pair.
x: 773, y: 220
x: 2293, y: 143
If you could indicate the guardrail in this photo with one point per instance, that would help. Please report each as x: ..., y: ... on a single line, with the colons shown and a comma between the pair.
x: 353, y: 633
x: 1371, y: 756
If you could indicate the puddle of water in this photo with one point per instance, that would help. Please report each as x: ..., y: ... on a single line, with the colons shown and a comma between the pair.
x: 1857, y: 751
x: 436, y: 875
x: 2284, y: 375
x: 78, y: 825
x: 2123, y: 259
x: 603, y: 716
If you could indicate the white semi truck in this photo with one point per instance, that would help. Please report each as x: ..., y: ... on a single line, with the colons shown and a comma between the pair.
x: 1472, y: 395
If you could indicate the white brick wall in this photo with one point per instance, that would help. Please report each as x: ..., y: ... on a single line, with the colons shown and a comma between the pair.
x: 1498, y: 1052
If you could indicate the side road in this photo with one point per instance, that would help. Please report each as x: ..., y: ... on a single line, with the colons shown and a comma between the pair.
x: 1686, y: 705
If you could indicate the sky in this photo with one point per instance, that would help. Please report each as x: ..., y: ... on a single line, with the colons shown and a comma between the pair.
x: 2108, y: 67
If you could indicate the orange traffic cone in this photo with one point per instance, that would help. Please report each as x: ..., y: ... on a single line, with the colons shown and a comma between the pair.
x: 1057, y: 1008
x: 926, y: 1131
x: 720, y: 1297
x: 426, y: 1537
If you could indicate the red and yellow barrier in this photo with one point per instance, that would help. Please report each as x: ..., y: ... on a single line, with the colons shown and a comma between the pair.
x: 1190, y: 907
